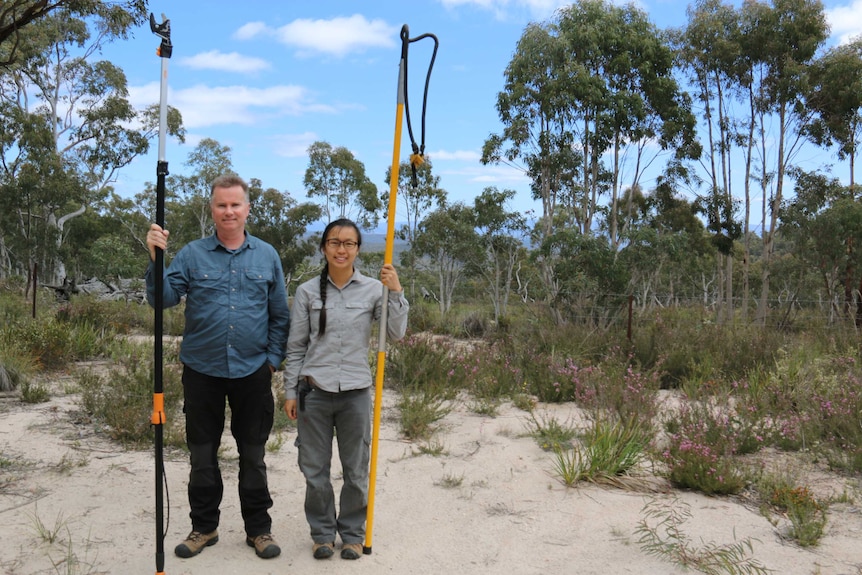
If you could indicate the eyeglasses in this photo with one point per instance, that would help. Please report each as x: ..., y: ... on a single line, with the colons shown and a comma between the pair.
x: 335, y: 244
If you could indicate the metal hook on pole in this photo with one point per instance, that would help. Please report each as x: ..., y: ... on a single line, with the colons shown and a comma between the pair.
x: 401, y: 109
x: 165, y: 50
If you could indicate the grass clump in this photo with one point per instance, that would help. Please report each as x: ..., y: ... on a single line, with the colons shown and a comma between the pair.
x: 16, y: 368
x: 609, y: 450
x: 48, y: 533
x: 549, y: 433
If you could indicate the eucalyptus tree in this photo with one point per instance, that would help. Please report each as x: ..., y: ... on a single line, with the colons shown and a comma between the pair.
x: 419, y: 193
x: 17, y: 16
x: 624, y: 101
x: 537, y: 138
x: 502, y: 235
x: 279, y: 219
x: 189, y: 214
x: 594, y: 83
x: 447, y: 244
x: 823, y: 220
x: 711, y: 50
x: 338, y: 180
x: 781, y: 41
x: 419, y: 196
x: 532, y: 107
x: 667, y: 254
x: 835, y: 95
x: 75, y: 112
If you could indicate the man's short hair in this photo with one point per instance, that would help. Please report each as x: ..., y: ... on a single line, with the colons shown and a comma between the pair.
x: 229, y: 181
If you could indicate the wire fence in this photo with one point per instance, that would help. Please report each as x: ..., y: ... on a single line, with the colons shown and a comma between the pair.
x: 630, y: 312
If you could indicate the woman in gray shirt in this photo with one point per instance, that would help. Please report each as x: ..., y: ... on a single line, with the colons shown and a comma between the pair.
x: 328, y: 383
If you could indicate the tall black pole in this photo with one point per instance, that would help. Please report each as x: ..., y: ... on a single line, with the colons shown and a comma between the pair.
x: 163, y: 31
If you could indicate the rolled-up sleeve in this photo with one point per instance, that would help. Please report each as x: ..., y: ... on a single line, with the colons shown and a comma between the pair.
x: 397, y: 319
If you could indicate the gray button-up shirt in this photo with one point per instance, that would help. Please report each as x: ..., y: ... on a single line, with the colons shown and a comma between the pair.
x: 338, y: 361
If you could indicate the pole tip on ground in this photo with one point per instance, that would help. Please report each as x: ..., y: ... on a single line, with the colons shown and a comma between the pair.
x: 366, y: 550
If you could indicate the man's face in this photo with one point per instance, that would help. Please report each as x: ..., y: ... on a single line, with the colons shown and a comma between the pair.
x: 229, y: 209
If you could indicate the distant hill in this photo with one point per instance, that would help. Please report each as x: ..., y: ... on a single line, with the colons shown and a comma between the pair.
x: 376, y: 242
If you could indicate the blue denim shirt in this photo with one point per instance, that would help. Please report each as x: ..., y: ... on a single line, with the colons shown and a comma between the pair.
x: 236, y: 311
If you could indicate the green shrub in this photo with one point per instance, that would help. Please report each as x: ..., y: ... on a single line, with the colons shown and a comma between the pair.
x: 420, y: 412
x: 807, y: 515
x: 34, y: 392
x: 53, y: 344
x: 418, y: 361
x: 122, y: 401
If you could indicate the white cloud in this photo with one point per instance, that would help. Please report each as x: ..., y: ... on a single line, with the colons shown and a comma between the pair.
x: 250, y: 30
x: 458, y: 155
x: 498, y: 175
x: 845, y: 21
x: 203, y: 106
x: 337, y: 36
x: 501, y: 8
x: 232, y: 62
x: 294, y: 145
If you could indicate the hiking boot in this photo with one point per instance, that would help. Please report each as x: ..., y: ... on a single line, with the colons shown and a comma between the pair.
x: 323, y: 550
x: 264, y: 545
x: 351, y: 551
x: 195, y: 543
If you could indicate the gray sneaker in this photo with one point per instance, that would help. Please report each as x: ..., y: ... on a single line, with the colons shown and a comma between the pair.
x: 195, y: 543
x: 264, y: 546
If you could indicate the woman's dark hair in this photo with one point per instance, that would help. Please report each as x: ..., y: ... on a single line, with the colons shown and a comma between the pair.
x: 324, y: 273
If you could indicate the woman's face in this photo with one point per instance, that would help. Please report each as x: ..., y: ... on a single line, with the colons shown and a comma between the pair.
x: 340, y: 248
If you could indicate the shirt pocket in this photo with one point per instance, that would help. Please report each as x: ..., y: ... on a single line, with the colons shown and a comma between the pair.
x: 314, y: 316
x: 257, y: 282
x: 360, y: 314
x: 208, y: 280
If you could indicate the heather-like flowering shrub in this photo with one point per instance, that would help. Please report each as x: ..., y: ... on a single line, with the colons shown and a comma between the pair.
x: 418, y: 361
x: 811, y: 403
x: 486, y: 371
x: 700, y: 453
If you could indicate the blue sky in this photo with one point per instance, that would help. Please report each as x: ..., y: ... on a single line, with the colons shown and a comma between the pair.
x: 268, y: 78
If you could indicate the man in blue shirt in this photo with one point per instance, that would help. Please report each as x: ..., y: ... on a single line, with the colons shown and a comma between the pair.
x: 236, y: 326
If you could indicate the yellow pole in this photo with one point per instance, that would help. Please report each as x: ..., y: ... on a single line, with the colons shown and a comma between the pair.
x: 387, y: 259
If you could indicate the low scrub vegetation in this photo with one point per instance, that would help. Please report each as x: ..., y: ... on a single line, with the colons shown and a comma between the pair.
x: 735, y: 392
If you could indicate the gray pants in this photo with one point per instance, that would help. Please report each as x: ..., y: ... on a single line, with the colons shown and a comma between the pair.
x: 346, y: 416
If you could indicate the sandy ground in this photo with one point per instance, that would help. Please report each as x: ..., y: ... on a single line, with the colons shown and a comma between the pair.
x: 488, y: 504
